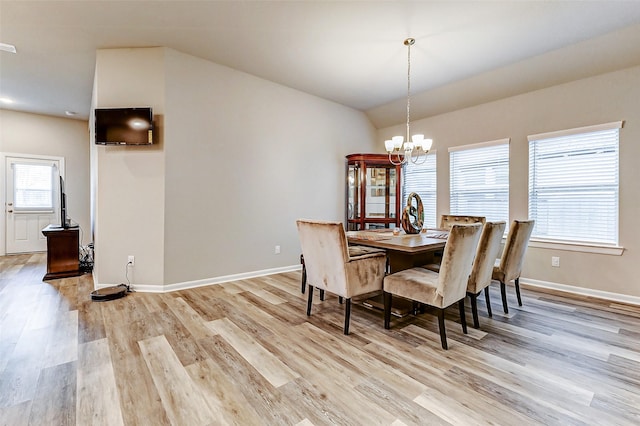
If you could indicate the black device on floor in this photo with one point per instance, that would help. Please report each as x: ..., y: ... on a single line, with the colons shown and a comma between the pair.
x: 109, y: 293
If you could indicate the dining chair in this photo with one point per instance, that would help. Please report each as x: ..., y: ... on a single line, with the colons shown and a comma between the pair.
x: 481, y: 272
x: 483, y: 262
x: 438, y: 289
x: 354, y: 251
x: 509, y: 266
x: 331, y: 268
x: 448, y: 220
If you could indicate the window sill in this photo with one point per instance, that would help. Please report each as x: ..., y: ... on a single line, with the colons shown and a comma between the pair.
x: 581, y: 247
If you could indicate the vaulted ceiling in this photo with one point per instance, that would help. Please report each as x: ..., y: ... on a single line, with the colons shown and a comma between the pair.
x: 350, y: 52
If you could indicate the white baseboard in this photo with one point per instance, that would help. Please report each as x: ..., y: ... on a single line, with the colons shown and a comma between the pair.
x: 606, y: 295
x: 152, y: 288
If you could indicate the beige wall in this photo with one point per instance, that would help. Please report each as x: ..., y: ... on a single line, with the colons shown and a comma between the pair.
x: 129, y: 181
x: 240, y: 159
x: 33, y: 134
x: 606, y: 98
x: 244, y: 158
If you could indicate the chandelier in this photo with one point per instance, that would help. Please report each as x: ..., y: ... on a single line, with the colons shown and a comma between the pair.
x: 417, y: 147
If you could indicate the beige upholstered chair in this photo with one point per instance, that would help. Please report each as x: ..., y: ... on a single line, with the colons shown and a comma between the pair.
x: 486, y: 254
x: 509, y: 266
x: 448, y: 220
x: 354, y: 251
x: 442, y: 289
x: 329, y: 267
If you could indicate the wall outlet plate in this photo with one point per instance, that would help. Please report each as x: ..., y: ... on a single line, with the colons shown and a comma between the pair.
x: 131, y: 260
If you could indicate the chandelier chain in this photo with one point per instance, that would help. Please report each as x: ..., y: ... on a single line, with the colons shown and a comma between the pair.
x: 408, y: 43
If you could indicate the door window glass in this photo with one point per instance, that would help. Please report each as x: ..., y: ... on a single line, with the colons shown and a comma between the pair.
x: 33, y: 187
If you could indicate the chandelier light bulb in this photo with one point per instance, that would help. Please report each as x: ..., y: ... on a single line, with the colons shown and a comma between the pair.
x: 397, y: 142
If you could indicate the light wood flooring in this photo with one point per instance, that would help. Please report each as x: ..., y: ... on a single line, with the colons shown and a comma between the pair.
x: 245, y: 353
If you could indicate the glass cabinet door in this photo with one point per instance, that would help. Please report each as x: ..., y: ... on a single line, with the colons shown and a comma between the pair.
x: 380, y: 197
x: 353, y: 192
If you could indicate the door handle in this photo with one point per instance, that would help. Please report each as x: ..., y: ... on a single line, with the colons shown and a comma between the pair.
x: 9, y: 211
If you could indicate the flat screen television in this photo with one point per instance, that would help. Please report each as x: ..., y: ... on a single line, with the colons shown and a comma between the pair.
x: 65, y: 222
x: 124, y: 126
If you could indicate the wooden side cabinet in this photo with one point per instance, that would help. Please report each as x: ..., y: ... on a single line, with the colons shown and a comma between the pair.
x: 372, y: 195
x: 63, y: 252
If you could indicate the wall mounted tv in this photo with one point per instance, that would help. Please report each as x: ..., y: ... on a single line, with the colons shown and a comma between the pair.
x: 124, y: 126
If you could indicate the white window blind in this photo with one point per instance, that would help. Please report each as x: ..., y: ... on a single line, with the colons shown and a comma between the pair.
x: 479, y: 180
x: 573, y: 184
x: 33, y: 186
x: 421, y: 179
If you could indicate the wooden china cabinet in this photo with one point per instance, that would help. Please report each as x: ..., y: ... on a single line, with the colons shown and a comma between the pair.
x: 372, y: 192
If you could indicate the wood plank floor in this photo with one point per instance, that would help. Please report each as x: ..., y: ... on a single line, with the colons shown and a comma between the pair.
x: 245, y: 353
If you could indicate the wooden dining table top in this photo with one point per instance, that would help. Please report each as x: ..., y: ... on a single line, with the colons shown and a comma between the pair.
x: 427, y: 240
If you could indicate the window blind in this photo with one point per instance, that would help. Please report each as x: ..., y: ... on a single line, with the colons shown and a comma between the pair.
x: 573, y: 185
x: 33, y: 186
x: 421, y: 179
x: 479, y: 180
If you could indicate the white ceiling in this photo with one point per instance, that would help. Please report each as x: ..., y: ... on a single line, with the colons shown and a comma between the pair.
x: 350, y: 52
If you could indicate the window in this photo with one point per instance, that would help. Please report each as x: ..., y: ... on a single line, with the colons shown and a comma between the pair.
x: 421, y: 179
x: 33, y: 187
x: 573, y: 184
x: 479, y: 176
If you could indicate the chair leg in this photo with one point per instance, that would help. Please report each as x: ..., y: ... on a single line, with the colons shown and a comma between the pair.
x: 304, y: 275
x: 386, y: 297
x: 322, y: 295
x: 474, y: 309
x: 503, y: 290
x: 347, y: 315
x: 488, y: 301
x: 517, y: 281
x: 463, y: 316
x: 340, y: 299
x: 443, y: 333
x: 309, y: 300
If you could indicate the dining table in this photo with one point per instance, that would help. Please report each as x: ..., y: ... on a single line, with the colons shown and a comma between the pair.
x: 404, y: 250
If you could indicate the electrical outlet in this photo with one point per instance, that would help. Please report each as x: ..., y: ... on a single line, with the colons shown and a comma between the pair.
x: 131, y: 260
x: 555, y: 261
x: 277, y: 250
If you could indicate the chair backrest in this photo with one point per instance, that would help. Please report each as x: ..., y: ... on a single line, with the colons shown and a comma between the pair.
x: 457, y: 261
x: 486, y: 254
x: 515, y: 248
x: 325, y: 251
x: 448, y: 220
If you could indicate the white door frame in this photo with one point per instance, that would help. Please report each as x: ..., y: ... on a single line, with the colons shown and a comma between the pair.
x: 3, y: 189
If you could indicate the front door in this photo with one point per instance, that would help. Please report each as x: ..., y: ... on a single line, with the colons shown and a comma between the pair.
x: 32, y: 202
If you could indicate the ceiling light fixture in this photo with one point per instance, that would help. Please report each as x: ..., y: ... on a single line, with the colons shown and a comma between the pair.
x: 8, y: 48
x: 417, y: 147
